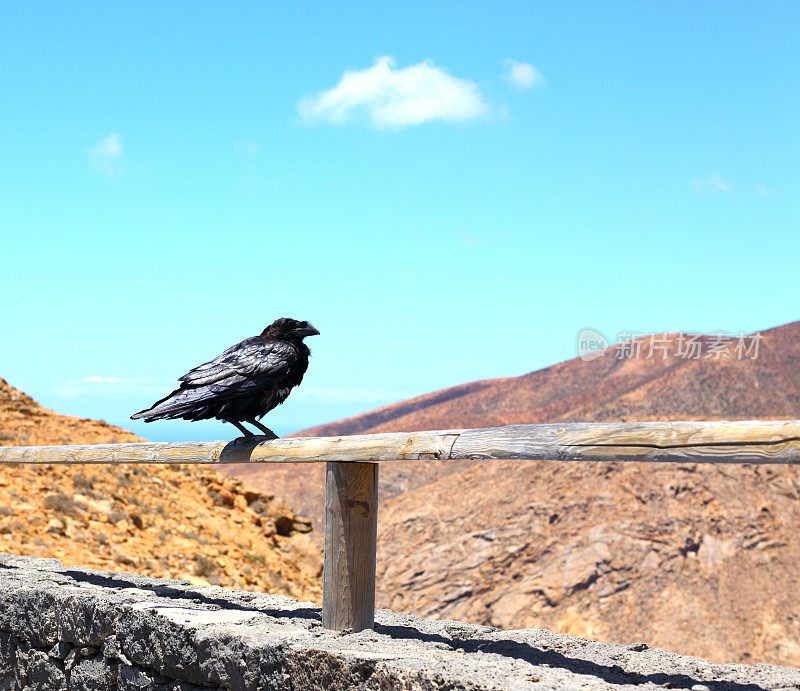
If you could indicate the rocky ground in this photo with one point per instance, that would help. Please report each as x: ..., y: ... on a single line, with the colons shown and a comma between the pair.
x: 623, y: 552
x: 702, y: 560
x: 75, y: 628
x: 167, y: 521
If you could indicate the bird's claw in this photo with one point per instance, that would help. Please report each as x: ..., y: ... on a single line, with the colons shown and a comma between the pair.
x: 266, y: 437
x: 255, y: 438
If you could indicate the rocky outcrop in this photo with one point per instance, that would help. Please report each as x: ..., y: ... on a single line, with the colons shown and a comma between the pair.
x: 685, y: 557
x: 668, y: 384
x: 701, y: 560
x: 160, y: 520
x: 72, y: 628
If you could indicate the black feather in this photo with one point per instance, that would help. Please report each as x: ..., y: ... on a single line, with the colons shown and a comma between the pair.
x: 245, y: 382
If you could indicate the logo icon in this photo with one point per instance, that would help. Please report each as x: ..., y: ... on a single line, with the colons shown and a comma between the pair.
x: 591, y: 345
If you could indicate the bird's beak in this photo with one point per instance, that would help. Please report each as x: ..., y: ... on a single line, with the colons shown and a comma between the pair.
x: 308, y: 330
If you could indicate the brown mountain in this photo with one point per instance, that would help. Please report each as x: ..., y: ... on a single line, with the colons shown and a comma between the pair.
x: 664, y: 386
x: 164, y: 521
x: 698, y: 559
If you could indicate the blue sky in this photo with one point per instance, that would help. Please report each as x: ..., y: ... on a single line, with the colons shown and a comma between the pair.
x: 449, y: 191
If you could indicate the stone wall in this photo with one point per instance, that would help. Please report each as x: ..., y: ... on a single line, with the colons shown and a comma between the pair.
x: 70, y: 628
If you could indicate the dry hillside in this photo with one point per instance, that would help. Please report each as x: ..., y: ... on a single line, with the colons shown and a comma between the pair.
x: 606, y: 389
x: 698, y: 559
x: 182, y: 522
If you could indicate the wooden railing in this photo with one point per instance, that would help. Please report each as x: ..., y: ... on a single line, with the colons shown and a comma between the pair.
x: 351, y: 497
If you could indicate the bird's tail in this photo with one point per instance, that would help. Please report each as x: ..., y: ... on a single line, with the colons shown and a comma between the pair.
x: 143, y: 414
x: 170, y: 406
x: 149, y: 414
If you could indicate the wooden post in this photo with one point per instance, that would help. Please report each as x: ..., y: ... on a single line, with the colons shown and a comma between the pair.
x: 351, y: 533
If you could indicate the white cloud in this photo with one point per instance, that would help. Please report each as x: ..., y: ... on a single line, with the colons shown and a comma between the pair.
x: 340, y: 394
x: 713, y: 184
x: 246, y: 148
x: 482, y: 237
x: 246, y: 152
x: 392, y: 98
x: 765, y: 191
x: 522, y: 75
x: 109, y: 386
x: 116, y: 380
x: 105, y: 155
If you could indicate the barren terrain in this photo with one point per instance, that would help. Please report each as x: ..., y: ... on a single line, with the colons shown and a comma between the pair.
x: 183, y: 522
x: 701, y: 560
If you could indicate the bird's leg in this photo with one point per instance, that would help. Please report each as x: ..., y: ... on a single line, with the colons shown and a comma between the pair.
x: 242, y: 428
x: 266, y: 430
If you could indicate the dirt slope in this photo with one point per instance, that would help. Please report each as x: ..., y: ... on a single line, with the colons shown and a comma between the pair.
x: 165, y: 521
x: 698, y: 559
x: 606, y: 389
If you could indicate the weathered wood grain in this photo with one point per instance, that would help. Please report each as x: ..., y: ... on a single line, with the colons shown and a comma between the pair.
x: 751, y: 441
x: 351, y: 533
x: 369, y: 447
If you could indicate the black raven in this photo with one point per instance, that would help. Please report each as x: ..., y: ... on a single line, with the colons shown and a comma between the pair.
x: 244, y: 383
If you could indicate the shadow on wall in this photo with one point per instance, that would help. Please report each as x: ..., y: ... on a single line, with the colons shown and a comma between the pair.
x: 611, y: 674
x: 313, y: 613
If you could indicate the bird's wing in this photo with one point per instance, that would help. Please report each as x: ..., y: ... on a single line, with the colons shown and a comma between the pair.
x: 247, y: 368
x: 249, y: 362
